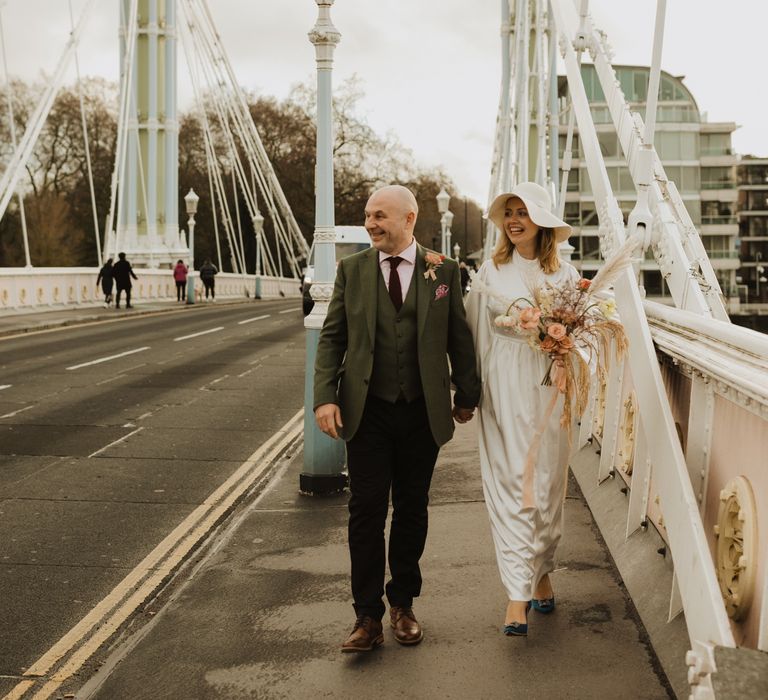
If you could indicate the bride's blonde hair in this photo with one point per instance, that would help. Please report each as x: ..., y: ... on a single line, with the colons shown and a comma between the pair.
x: 546, y: 250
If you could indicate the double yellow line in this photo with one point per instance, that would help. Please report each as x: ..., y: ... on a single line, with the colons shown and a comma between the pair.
x: 69, y: 654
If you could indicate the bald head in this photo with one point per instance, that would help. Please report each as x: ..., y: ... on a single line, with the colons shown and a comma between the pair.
x: 390, y: 216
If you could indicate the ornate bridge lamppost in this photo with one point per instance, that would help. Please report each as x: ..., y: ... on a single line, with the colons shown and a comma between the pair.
x: 258, y: 230
x: 191, y: 201
x: 324, y: 457
x: 446, y: 219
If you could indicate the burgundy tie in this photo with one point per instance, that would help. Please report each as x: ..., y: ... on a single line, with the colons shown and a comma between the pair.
x: 395, y: 290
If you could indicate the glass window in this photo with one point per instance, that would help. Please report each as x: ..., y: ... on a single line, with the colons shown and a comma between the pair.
x: 691, y: 179
x: 640, y: 86
x: 590, y: 247
x: 667, y: 90
x: 689, y: 145
x: 667, y: 145
x: 717, y: 178
x: 694, y: 210
x: 609, y: 144
x: 572, y: 213
x: 588, y: 214
x: 573, y: 180
x: 715, y: 144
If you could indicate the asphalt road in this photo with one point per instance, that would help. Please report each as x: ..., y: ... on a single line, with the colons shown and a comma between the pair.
x: 111, y: 434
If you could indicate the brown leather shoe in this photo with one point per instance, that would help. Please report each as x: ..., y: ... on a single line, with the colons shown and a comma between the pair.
x: 406, y: 626
x: 366, y: 635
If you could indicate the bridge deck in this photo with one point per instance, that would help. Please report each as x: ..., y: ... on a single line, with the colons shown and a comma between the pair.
x: 266, y: 612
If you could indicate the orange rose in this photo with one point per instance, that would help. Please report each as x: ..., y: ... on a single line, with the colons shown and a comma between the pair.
x: 529, y: 318
x: 548, y: 345
x: 583, y: 284
x: 565, y: 345
x: 556, y: 331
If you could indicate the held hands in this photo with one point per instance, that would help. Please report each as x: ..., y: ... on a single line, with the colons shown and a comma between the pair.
x: 328, y: 419
x: 463, y: 415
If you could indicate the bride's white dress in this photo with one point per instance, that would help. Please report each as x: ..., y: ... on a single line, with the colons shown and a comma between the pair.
x: 512, y: 405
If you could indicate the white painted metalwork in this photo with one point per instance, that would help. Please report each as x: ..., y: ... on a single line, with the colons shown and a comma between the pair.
x: 51, y: 288
x: 660, y: 221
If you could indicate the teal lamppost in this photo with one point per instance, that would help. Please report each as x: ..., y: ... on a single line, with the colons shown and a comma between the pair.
x: 324, y: 458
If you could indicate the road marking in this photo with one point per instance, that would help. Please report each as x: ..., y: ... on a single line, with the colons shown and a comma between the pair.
x: 288, y: 311
x: 111, y: 357
x: 194, y: 335
x: 251, y: 320
x: 5, y: 386
x: 115, y: 442
x: 21, y: 410
x: 108, y: 615
x: 248, y: 371
x: 19, y: 690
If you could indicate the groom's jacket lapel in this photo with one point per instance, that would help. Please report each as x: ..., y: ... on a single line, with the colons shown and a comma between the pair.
x: 368, y: 266
x: 423, y: 290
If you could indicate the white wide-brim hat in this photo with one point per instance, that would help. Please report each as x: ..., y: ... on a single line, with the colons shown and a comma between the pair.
x: 538, y: 204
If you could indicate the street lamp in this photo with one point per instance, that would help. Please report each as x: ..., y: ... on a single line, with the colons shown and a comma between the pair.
x: 448, y: 223
x: 456, y: 251
x: 191, y: 201
x: 443, y: 200
x: 258, y: 230
x: 324, y: 457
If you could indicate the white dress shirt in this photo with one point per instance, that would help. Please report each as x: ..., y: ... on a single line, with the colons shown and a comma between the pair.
x: 404, y: 269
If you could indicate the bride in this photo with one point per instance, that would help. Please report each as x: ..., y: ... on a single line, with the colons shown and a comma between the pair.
x: 514, y: 405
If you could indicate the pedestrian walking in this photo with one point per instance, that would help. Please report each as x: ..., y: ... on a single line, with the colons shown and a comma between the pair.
x: 107, y: 281
x: 382, y: 383
x: 180, y: 277
x: 208, y: 273
x: 123, y: 272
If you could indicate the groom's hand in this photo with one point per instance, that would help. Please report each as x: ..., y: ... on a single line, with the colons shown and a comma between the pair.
x: 328, y: 419
x: 463, y: 415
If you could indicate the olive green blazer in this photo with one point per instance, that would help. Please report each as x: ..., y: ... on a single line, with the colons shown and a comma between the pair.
x: 345, y: 349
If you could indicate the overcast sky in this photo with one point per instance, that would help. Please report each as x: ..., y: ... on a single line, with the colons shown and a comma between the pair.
x: 431, y: 68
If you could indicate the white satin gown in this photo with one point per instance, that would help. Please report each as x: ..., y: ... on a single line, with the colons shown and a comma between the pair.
x: 512, y: 405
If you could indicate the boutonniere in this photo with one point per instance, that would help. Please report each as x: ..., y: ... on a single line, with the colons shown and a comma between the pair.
x: 434, y: 261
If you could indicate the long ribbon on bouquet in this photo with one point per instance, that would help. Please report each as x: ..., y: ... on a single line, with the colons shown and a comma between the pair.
x: 558, y: 380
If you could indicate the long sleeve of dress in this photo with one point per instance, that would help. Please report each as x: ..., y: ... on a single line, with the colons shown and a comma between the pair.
x: 477, y: 319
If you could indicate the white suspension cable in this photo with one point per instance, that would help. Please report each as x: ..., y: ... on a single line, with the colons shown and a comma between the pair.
x: 87, y: 146
x: 21, y: 155
x: 117, y: 187
x: 12, y: 125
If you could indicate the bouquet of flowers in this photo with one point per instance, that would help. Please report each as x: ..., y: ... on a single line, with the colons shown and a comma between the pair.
x: 560, y: 320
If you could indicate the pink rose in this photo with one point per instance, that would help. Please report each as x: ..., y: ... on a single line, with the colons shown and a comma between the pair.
x: 583, y: 284
x: 529, y: 318
x: 556, y: 331
x: 434, y: 259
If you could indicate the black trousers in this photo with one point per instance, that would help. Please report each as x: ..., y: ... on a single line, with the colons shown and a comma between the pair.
x: 127, y: 291
x: 181, y: 288
x: 210, y: 286
x: 393, y: 449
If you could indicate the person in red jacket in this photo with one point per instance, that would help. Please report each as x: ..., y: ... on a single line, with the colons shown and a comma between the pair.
x: 180, y: 275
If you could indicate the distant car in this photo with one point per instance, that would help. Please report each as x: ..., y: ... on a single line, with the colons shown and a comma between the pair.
x: 349, y: 240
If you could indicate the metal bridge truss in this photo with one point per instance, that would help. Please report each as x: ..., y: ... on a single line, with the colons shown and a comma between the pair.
x: 534, y: 34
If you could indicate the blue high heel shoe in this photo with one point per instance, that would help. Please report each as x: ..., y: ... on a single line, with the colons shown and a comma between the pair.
x: 543, y: 605
x: 518, y: 629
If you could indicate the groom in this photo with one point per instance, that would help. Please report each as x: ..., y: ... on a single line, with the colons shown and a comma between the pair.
x: 382, y: 383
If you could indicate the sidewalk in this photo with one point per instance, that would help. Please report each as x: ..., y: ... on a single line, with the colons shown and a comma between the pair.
x: 265, y: 614
x: 13, y: 322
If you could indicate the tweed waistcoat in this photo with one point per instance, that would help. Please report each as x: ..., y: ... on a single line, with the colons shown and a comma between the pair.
x: 395, y: 361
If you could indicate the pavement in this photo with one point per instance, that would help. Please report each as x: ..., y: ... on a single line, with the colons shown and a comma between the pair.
x: 262, y: 614
x: 25, y: 321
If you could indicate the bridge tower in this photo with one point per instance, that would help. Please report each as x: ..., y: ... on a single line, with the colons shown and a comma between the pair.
x: 147, y: 226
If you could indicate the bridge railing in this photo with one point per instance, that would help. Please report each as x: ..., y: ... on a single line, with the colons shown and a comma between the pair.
x: 50, y: 287
x: 716, y: 379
